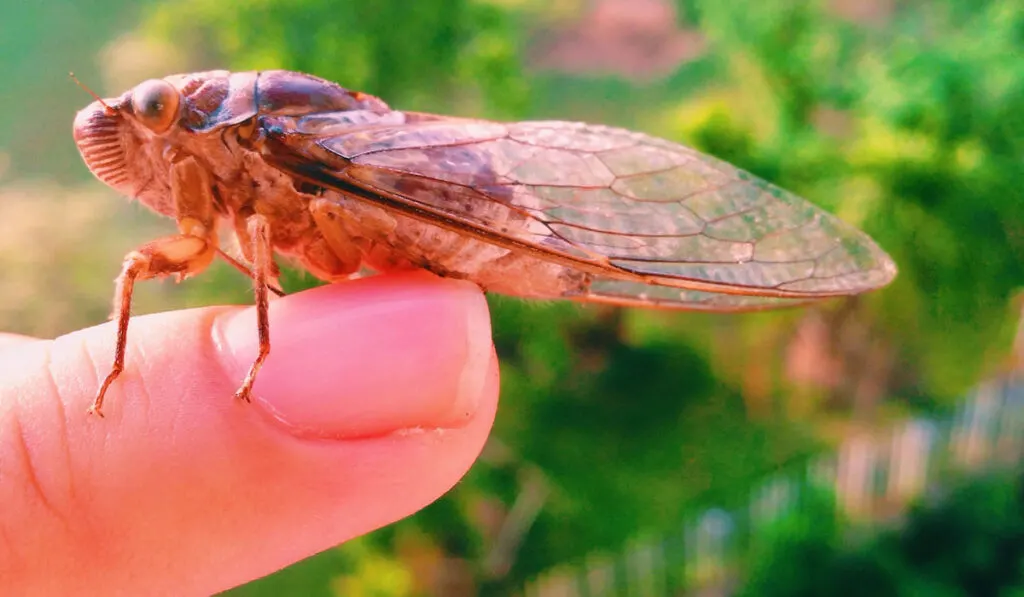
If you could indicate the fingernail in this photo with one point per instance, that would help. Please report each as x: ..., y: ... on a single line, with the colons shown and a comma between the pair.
x: 369, y: 357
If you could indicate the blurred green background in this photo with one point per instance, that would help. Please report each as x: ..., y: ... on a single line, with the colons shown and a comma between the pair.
x: 904, y: 117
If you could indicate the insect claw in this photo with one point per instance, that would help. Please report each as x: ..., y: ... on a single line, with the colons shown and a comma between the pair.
x: 97, y: 404
x: 244, y: 393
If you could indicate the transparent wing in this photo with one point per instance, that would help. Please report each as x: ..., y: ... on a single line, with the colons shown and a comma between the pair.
x: 632, y: 210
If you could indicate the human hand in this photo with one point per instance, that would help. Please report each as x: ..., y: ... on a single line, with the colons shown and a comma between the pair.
x: 377, y: 397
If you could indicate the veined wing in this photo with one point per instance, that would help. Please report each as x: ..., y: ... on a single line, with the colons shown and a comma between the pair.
x: 631, y: 209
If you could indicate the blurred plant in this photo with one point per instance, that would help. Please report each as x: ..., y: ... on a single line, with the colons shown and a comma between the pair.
x: 85, y: 231
x: 969, y: 542
x: 916, y: 132
x: 437, y: 55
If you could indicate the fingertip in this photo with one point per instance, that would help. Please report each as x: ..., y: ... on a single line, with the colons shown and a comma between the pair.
x: 366, y: 358
x: 395, y: 378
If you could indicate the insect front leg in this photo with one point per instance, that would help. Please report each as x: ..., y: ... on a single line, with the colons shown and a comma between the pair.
x: 181, y: 255
x: 264, y: 271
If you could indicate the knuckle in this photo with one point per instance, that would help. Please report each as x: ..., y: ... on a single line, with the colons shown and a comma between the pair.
x: 36, y: 469
x: 27, y: 465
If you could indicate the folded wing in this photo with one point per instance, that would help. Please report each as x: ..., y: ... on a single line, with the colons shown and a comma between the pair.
x: 635, y: 211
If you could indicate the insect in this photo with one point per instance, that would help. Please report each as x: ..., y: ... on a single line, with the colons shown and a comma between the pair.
x: 336, y: 180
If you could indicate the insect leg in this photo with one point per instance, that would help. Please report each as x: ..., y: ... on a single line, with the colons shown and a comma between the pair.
x: 330, y: 223
x: 263, y: 269
x: 275, y: 286
x: 181, y: 255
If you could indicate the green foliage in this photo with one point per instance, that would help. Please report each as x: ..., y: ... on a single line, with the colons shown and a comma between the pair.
x: 926, y: 158
x: 970, y: 542
x: 434, y: 56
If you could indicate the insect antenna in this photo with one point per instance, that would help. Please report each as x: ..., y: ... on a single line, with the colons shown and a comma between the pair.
x: 110, y: 111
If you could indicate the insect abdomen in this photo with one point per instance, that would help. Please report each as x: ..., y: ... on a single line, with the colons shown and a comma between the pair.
x: 389, y: 241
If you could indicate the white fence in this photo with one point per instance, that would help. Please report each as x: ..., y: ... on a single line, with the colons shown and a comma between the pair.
x: 874, y: 477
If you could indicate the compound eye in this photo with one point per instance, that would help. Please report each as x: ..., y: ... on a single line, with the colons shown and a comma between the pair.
x: 156, y: 104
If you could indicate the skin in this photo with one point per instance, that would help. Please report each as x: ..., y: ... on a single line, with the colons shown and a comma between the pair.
x: 378, y: 396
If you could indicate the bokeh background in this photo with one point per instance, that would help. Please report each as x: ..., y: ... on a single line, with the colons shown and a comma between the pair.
x: 869, y: 446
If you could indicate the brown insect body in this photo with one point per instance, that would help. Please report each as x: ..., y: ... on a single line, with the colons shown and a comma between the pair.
x: 337, y: 180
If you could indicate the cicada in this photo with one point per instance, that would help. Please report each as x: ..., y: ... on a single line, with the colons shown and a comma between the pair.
x: 337, y: 181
